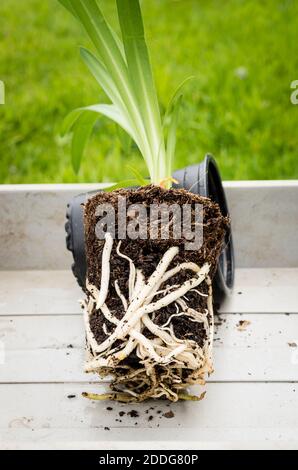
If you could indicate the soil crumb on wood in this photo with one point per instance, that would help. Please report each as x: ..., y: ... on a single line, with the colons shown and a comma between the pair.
x: 133, y: 413
x: 169, y: 414
x: 242, y: 325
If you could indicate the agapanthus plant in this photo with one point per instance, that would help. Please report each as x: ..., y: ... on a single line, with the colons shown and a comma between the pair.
x: 148, y: 309
x: 122, y: 69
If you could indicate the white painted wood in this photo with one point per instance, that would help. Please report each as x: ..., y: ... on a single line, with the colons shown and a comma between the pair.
x: 38, y: 293
x: 41, y: 415
x: 37, y: 349
x: 263, y: 290
x: 251, y: 398
x: 56, y: 292
x: 264, y: 218
x: 32, y: 234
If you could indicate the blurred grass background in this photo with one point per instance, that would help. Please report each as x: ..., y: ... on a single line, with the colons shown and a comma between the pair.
x: 244, y: 54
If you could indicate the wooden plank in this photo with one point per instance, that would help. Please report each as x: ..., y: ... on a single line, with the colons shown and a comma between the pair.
x: 32, y: 234
x: 263, y: 290
x: 38, y: 293
x: 263, y: 213
x: 56, y: 292
x: 51, y: 349
x: 42, y: 414
x: 264, y: 219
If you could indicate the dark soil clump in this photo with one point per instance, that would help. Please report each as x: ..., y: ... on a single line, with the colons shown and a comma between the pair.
x: 133, y: 413
x: 169, y: 414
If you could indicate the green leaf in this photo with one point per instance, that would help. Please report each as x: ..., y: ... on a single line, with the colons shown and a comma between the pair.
x: 172, y: 131
x: 70, y: 120
x: 123, y: 70
x: 140, y: 73
x: 122, y: 184
x: 170, y: 121
x: 68, y: 5
x: 109, y: 52
x: 101, y: 75
x: 140, y: 179
x: 108, y: 110
x: 125, y: 140
x: 111, y: 55
x: 86, y: 117
x: 178, y: 91
x: 82, y: 131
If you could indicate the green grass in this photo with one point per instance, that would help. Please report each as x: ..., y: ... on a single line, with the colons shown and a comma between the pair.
x: 244, y: 54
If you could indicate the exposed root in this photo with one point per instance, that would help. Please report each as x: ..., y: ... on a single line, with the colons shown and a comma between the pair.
x: 105, y: 273
x: 166, y: 364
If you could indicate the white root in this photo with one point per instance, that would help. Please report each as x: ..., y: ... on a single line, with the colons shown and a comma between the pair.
x: 124, y: 325
x: 139, y: 284
x: 105, y: 270
x: 162, y: 327
x: 167, y: 300
x: 164, y: 350
x: 121, y: 296
x: 210, y: 309
x: 183, y: 266
x: 154, y: 279
x: 132, y: 271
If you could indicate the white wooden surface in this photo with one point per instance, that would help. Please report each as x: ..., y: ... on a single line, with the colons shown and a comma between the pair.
x: 44, y: 341
x: 251, y: 399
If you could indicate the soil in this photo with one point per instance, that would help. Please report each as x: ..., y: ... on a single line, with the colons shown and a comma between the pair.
x: 146, y: 254
x: 133, y: 413
x: 169, y: 414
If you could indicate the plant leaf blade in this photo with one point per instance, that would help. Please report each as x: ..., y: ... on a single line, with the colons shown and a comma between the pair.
x: 82, y: 131
x: 140, y: 72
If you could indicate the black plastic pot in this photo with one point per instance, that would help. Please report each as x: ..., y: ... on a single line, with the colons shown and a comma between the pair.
x: 203, y: 179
